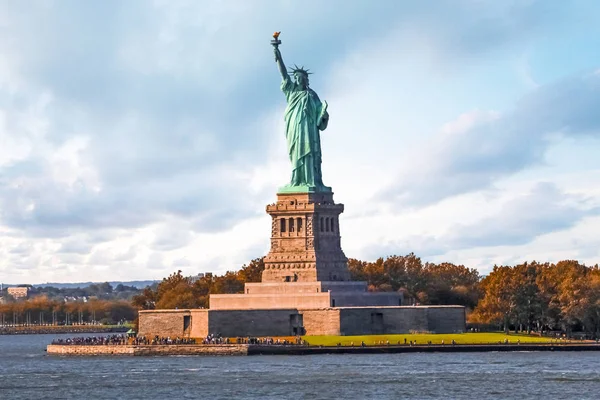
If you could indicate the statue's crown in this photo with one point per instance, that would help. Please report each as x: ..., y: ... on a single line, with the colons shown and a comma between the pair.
x: 300, y: 70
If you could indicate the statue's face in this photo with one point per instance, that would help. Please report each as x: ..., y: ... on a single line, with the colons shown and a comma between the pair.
x: 301, y: 79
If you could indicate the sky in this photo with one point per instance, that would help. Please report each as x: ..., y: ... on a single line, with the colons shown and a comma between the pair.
x: 138, y: 138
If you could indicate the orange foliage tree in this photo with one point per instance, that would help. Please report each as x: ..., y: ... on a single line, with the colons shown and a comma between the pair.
x: 562, y: 296
x: 178, y: 291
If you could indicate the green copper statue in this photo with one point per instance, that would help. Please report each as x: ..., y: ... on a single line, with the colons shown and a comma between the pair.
x: 305, y: 116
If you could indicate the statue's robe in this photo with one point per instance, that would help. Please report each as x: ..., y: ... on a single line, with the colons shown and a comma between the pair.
x: 302, y: 118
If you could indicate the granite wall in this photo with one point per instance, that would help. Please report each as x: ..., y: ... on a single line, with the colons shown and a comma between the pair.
x: 366, y: 299
x: 447, y: 319
x: 199, y: 328
x: 162, y: 323
x: 233, y: 323
x: 323, y: 321
x: 269, y: 301
x: 391, y: 320
x: 382, y: 320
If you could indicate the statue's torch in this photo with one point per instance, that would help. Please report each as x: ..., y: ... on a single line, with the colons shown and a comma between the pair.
x: 276, y: 42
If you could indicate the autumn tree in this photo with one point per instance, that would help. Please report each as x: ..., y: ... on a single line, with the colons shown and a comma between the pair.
x: 145, y: 300
x: 229, y: 283
x: 564, y: 296
x: 447, y: 283
x: 253, y: 271
x: 526, y: 297
x: 497, y: 304
x: 176, y: 291
x: 428, y: 283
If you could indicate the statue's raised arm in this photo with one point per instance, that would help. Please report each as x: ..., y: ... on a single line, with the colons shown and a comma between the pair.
x: 278, y: 59
x: 280, y: 64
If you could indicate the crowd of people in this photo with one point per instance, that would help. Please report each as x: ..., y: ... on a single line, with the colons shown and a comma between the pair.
x: 218, y: 339
x: 270, y: 341
x: 162, y: 340
x: 94, y: 340
x: 159, y: 340
x: 121, y: 339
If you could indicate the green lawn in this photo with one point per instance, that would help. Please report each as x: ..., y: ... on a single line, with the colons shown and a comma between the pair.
x: 460, y: 338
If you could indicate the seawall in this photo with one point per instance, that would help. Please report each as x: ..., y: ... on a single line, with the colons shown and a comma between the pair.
x: 148, y: 350
x: 75, y: 350
x: 250, y: 349
x: 308, y: 350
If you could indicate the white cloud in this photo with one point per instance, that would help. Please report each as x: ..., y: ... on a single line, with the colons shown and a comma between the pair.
x: 138, y: 138
x: 468, y: 121
x: 488, y: 150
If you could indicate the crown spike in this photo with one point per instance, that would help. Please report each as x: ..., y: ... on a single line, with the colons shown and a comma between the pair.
x: 300, y: 70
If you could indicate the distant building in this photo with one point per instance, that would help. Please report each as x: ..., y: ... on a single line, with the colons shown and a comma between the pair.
x: 201, y: 275
x: 18, y: 292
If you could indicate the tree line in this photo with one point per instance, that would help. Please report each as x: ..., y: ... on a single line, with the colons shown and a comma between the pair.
x: 41, y: 310
x: 530, y: 296
x: 178, y: 291
x: 541, y: 296
x: 98, y: 290
x: 420, y: 283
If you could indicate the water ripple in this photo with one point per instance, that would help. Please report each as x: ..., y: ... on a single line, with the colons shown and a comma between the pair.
x: 26, y: 372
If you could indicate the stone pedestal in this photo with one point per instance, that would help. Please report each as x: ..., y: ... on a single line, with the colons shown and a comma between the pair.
x: 305, y: 267
x: 305, y: 240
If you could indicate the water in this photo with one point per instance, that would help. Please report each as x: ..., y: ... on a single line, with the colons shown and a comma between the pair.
x: 26, y: 372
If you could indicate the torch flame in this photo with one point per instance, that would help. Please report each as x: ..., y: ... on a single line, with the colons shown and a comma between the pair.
x: 276, y: 35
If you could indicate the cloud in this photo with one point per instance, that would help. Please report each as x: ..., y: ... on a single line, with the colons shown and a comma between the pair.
x: 477, y: 149
x: 156, y: 261
x: 147, y: 120
x: 181, y: 262
x: 128, y: 255
x: 22, y: 249
x: 468, y: 121
x: 422, y: 246
x: 172, y: 236
x: 519, y: 220
x: 119, y: 120
x: 545, y: 209
x: 76, y: 245
x: 157, y: 118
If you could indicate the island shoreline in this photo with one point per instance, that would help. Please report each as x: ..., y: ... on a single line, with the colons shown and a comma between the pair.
x: 255, y: 349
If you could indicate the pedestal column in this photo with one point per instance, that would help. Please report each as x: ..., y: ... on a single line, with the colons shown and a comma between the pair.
x: 305, y: 239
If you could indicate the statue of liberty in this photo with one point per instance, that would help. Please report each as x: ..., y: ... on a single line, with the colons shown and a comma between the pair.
x: 305, y: 116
